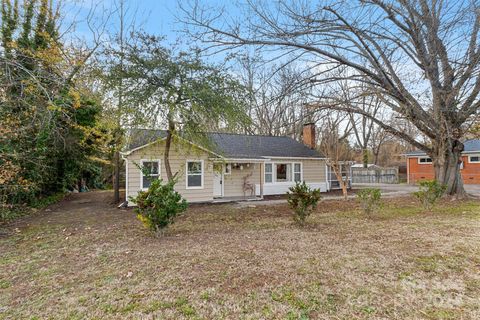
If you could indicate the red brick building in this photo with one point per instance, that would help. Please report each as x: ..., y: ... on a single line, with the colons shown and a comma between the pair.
x: 420, y: 167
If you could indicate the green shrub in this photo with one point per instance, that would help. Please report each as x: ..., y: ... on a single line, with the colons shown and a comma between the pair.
x: 370, y: 199
x: 45, y: 201
x: 303, y: 201
x: 9, y: 212
x: 13, y: 212
x: 159, y: 205
x: 430, y: 191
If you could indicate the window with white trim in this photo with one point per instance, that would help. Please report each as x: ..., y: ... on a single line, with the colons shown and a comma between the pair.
x: 150, y: 171
x: 474, y: 159
x: 424, y: 160
x: 228, y: 168
x: 297, y: 172
x: 195, y: 174
x: 268, y: 172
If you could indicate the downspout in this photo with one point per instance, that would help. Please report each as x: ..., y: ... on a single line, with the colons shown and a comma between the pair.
x: 327, y: 182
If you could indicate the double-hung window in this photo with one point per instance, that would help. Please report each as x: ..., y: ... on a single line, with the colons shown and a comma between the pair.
x: 297, y: 172
x: 268, y: 172
x: 195, y: 174
x: 150, y: 171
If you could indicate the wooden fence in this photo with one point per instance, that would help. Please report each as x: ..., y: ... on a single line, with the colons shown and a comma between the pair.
x: 378, y: 175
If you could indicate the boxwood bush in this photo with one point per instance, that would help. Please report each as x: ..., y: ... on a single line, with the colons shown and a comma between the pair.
x: 159, y: 205
x: 303, y: 200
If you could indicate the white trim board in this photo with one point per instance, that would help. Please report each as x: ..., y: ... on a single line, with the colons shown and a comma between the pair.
x: 240, y: 160
x: 295, y: 158
x: 126, y: 180
x: 282, y: 187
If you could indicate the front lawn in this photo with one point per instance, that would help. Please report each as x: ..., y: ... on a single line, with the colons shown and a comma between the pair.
x: 84, y: 259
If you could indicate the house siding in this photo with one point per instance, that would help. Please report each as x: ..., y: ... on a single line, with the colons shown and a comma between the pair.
x: 314, y: 171
x: 470, y: 171
x: 419, y: 172
x: 179, y: 153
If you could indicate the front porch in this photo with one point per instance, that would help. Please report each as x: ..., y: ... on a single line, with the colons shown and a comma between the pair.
x: 238, y: 179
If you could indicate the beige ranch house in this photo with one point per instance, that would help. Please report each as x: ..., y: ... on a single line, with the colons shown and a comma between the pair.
x: 228, y: 167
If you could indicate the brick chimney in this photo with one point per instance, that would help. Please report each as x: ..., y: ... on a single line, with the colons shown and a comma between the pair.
x: 309, y: 135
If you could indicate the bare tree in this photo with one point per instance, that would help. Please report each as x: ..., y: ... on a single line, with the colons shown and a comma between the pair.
x: 421, y: 57
x: 276, y: 92
x: 362, y: 126
x: 335, y: 132
x: 379, y: 136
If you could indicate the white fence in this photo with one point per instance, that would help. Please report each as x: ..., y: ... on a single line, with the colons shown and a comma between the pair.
x: 378, y: 175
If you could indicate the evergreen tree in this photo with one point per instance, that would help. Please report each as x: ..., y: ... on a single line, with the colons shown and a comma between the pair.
x: 49, y: 133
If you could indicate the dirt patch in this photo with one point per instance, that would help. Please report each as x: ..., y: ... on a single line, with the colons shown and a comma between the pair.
x: 84, y: 258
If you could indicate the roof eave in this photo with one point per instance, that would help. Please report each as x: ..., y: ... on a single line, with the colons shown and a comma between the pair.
x: 129, y: 152
x: 299, y: 158
x: 247, y: 160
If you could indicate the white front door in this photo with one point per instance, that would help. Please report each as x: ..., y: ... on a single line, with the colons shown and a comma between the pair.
x: 217, y: 184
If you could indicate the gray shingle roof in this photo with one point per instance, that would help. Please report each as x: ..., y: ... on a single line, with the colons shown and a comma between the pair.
x: 240, y: 146
x: 415, y: 153
x: 141, y: 137
x: 472, y: 145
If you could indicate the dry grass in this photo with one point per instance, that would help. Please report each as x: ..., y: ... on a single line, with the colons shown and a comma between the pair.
x: 84, y: 259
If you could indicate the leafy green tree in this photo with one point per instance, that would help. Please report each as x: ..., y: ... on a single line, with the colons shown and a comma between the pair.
x: 179, y: 91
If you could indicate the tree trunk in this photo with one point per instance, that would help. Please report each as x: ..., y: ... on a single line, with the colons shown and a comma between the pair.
x: 365, y: 157
x: 116, y: 183
x: 168, y: 143
x: 116, y: 177
x: 375, y: 158
x: 343, y: 184
x: 447, y: 162
x: 344, y: 189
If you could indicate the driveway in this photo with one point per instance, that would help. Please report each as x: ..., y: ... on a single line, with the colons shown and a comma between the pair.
x: 406, y: 189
